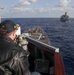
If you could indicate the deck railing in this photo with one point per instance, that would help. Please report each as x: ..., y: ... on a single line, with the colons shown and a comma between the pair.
x: 58, y: 61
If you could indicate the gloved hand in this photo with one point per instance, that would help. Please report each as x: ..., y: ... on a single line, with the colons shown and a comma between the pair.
x: 22, y: 40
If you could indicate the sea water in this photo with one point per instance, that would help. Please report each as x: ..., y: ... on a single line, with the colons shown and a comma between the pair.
x: 60, y: 34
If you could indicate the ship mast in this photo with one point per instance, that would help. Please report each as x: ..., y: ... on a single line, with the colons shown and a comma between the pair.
x: 65, y: 13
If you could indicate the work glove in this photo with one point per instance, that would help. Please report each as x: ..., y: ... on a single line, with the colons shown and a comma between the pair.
x: 22, y: 41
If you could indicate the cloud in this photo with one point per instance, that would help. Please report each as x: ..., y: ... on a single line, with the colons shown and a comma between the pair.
x: 40, y: 9
x: 22, y: 4
x: 64, y: 3
x: 33, y: 1
x: 27, y: 9
x: 26, y: 2
x: 24, y: 7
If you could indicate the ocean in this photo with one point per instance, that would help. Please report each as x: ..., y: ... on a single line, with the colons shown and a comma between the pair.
x: 60, y: 34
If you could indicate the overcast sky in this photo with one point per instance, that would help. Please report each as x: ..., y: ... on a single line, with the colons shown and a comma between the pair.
x: 35, y: 8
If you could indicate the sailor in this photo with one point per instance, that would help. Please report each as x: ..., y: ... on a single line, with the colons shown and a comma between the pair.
x: 13, y: 59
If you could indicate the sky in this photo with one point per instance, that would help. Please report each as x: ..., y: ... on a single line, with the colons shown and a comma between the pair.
x: 36, y: 8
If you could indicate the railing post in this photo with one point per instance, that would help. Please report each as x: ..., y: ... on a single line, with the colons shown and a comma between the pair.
x: 59, y: 66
